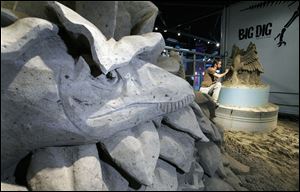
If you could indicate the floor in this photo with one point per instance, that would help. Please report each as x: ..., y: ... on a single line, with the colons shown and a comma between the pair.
x: 273, y: 157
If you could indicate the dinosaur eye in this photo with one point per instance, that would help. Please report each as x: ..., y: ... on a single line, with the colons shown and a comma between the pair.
x: 109, y: 75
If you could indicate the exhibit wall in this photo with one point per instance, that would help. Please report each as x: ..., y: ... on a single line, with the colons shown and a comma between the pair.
x: 253, y: 21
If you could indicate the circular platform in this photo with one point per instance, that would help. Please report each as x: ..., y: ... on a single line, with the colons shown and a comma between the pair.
x: 247, y: 119
x: 244, y: 96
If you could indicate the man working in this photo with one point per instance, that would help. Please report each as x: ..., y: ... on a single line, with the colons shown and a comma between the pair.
x: 210, y: 85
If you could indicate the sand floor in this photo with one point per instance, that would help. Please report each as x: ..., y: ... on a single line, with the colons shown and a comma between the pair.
x: 273, y: 158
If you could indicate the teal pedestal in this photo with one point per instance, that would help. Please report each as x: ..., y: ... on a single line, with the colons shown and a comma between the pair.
x: 244, y: 96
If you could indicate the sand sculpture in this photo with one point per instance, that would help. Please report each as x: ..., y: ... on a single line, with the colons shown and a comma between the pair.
x: 244, y: 98
x: 104, y: 118
x: 245, y: 67
x: 172, y: 63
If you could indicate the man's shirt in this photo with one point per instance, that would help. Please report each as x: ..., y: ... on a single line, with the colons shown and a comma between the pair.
x: 209, y: 78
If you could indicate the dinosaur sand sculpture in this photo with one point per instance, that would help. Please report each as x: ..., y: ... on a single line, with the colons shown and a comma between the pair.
x: 106, y: 118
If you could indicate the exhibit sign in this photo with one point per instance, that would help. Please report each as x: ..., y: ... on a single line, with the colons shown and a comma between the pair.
x: 274, y: 28
x: 258, y: 31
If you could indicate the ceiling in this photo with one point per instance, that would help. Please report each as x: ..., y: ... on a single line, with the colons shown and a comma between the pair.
x: 191, y: 18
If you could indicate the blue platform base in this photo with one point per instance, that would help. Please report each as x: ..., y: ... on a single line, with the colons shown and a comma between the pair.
x: 244, y: 96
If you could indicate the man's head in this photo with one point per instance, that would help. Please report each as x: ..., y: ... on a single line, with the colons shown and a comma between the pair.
x: 218, y: 63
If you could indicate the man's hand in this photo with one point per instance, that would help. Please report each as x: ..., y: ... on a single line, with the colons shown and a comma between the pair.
x: 226, y: 70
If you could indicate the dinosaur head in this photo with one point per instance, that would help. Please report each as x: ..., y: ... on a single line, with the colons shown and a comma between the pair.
x: 125, y: 97
x: 49, y: 98
x: 129, y: 91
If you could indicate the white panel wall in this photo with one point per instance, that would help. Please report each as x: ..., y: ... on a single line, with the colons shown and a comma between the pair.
x: 281, y: 64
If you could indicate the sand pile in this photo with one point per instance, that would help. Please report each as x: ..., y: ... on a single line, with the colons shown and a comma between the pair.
x: 273, y: 157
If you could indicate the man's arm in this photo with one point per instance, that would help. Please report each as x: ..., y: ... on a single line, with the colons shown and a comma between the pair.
x: 222, y: 74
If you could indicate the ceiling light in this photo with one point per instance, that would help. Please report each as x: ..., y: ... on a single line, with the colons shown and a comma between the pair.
x: 218, y: 44
x: 156, y: 28
x: 165, y: 30
x: 208, y: 42
x: 178, y: 34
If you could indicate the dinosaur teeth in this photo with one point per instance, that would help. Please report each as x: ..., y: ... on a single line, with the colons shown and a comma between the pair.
x: 160, y: 106
x: 180, y: 104
x: 174, y: 106
x: 170, y: 107
x: 190, y: 99
x: 183, y: 102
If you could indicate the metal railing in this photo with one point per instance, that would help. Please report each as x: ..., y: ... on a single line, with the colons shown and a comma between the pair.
x: 193, y: 60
